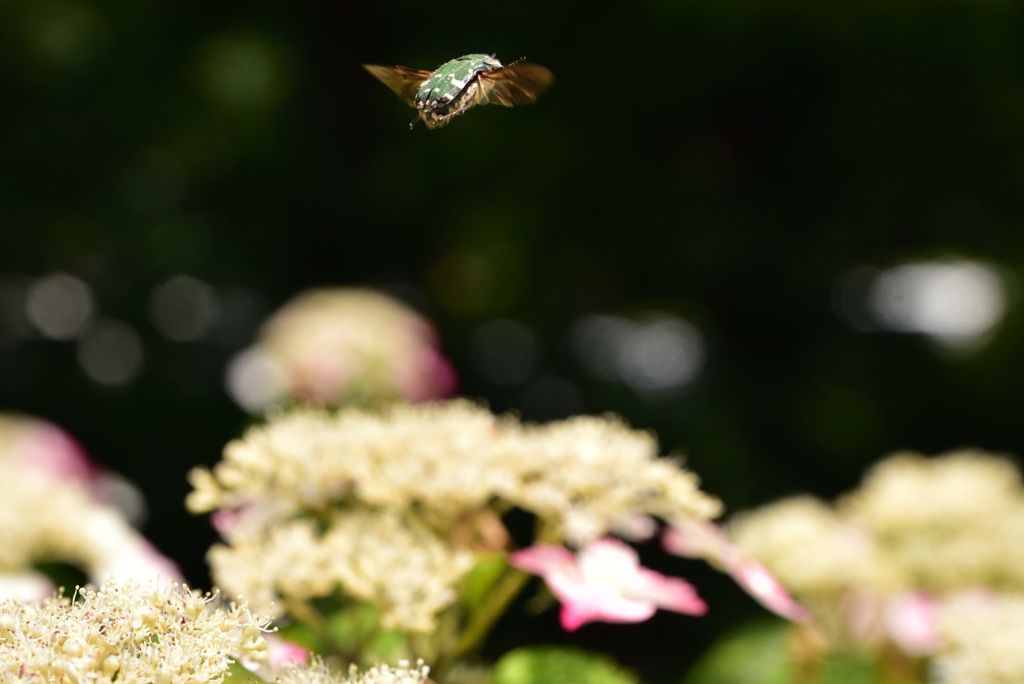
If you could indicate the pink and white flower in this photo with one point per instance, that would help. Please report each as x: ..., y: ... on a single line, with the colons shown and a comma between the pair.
x: 912, y: 621
x: 605, y: 582
x: 284, y: 653
x: 332, y: 345
x: 48, y: 452
x: 279, y: 655
x: 704, y: 539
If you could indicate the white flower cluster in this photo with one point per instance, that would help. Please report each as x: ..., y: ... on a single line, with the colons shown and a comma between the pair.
x: 318, y: 673
x: 935, y: 524
x: 128, y: 632
x: 379, y: 557
x: 921, y: 538
x: 432, y: 476
x: 946, y: 523
x: 49, y: 512
x: 984, y: 638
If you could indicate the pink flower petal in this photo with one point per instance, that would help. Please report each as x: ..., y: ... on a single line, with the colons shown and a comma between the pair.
x: 704, y: 539
x: 765, y: 589
x: 605, y: 582
x: 426, y: 374
x: 694, y: 540
x: 608, y: 561
x: 540, y: 558
x: 53, y: 453
x: 224, y: 520
x: 283, y: 653
x: 912, y: 623
x: 602, y: 608
x: 670, y: 593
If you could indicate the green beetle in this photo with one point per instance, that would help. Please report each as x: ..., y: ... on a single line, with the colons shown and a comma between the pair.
x: 463, y: 83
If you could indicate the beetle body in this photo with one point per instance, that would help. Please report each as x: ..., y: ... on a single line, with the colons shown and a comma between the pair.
x: 453, y: 88
x: 460, y: 84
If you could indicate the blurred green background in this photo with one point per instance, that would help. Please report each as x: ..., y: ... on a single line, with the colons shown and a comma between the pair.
x: 730, y: 170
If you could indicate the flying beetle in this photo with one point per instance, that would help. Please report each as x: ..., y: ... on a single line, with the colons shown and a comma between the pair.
x: 462, y: 83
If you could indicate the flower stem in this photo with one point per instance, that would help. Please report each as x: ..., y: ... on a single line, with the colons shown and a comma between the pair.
x: 483, y: 618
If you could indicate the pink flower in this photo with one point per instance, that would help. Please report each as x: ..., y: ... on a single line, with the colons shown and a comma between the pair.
x: 704, y: 539
x: 284, y: 653
x: 912, y: 621
x: 426, y: 374
x: 224, y: 520
x: 51, y: 453
x: 605, y: 582
x: 280, y: 655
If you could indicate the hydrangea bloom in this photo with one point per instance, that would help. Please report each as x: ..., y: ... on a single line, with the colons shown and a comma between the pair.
x: 126, y: 632
x: 394, y: 507
x: 877, y: 566
x: 328, y: 346
x: 982, y: 637
x: 318, y: 673
x: 53, y: 510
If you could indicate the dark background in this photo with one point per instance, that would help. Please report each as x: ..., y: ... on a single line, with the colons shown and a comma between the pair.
x: 725, y: 161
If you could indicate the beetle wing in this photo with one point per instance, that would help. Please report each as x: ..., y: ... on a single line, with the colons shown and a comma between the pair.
x: 516, y: 84
x: 405, y: 82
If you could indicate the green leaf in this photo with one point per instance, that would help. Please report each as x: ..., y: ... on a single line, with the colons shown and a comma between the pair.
x: 755, y: 653
x: 302, y: 634
x: 353, y: 624
x: 239, y: 675
x: 758, y: 653
x: 847, y: 668
x: 387, y: 647
x: 558, y: 665
x: 481, y: 578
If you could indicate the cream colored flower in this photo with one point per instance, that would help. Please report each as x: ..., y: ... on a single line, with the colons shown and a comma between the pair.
x: 813, y: 551
x: 318, y: 673
x: 918, y: 531
x: 385, y: 559
x: 329, y: 345
x: 592, y: 473
x: 125, y: 632
x: 388, y: 507
x: 377, y: 557
x: 584, y: 475
x: 984, y: 641
x: 945, y: 523
x: 50, y: 513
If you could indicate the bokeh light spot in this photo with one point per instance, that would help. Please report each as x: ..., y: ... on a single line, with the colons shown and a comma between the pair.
x: 597, y: 341
x: 664, y: 354
x: 655, y: 357
x: 110, y: 352
x: 254, y: 381
x: 183, y: 308
x: 956, y: 303
x: 59, y: 305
